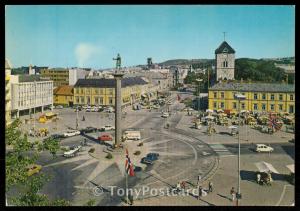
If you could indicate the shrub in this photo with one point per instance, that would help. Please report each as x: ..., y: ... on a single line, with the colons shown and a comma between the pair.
x: 140, y: 144
x: 92, y: 150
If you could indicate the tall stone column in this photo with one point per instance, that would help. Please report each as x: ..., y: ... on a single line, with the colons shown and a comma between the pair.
x: 118, y: 110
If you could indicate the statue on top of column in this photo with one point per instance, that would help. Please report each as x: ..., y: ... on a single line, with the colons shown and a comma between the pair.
x: 118, y: 61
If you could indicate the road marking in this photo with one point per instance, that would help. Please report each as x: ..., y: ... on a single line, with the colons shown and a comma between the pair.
x: 282, y: 195
x: 205, y: 153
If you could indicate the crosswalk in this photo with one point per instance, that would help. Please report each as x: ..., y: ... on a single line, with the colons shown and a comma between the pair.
x: 221, y: 150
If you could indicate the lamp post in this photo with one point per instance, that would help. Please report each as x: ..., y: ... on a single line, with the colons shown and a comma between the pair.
x: 199, y: 80
x: 239, y: 97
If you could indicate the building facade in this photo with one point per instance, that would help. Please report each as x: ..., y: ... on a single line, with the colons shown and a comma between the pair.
x: 75, y: 74
x: 63, y: 95
x: 59, y: 76
x: 28, y: 93
x: 225, y: 62
x: 102, y: 91
x: 260, y: 97
x: 7, y: 92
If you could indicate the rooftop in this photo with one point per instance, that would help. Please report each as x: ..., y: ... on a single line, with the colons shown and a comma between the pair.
x: 109, y: 82
x: 253, y: 87
x: 63, y: 90
x: 31, y: 78
x: 224, y: 48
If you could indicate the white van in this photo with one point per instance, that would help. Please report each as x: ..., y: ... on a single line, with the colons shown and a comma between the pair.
x: 132, y: 135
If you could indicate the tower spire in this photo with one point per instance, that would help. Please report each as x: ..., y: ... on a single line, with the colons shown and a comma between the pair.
x: 224, y: 35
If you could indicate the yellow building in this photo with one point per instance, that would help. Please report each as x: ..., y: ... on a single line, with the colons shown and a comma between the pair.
x: 7, y: 92
x: 59, y: 76
x: 260, y: 97
x: 102, y: 91
x: 63, y: 95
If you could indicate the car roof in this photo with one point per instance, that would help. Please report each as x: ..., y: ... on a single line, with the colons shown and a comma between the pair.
x: 260, y: 145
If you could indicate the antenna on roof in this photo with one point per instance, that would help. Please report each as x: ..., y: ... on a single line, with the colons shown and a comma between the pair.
x: 224, y: 35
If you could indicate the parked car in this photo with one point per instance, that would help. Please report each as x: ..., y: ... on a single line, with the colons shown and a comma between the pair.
x: 71, y: 133
x: 73, y: 151
x: 132, y: 135
x: 84, y: 107
x: 156, y: 106
x: 263, y: 148
x: 59, y: 107
x: 94, y: 109
x: 88, y: 110
x: 165, y: 114
x: 33, y: 169
x: 150, y: 158
x: 88, y: 130
x: 107, y: 127
x: 105, y: 137
x: 109, y: 110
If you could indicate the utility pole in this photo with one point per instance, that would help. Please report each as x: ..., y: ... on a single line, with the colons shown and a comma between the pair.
x: 199, y: 80
x: 77, y: 119
x: 239, y: 97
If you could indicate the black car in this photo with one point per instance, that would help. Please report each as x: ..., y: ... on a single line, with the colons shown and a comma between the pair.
x: 88, y: 130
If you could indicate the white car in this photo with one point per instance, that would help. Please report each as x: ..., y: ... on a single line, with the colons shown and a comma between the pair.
x: 263, y: 148
x: 59, y: 107
x: 71, y: 133
x: 165, y: 115
x: 107, y: 127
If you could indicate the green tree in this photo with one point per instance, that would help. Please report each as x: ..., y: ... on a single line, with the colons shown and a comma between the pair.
x: 20, y: 153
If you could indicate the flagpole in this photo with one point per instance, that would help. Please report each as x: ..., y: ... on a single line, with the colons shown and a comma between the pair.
x: 126, y: 180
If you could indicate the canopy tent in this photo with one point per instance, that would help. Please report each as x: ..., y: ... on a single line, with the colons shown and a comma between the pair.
x: 265, y: 167
x: 220, y: 111
x: 50, y: 114
x: 209, y: 111
x: 232, y: 127
x: 291, y: 167
x: 244, y: 111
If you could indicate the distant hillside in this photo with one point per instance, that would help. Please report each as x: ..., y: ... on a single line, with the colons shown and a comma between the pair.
x: 186, y: 62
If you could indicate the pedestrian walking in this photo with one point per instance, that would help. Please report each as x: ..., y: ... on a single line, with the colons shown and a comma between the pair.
x: 232, y: 192
x: 199, y: 192
x: 258, y: 178
x: 199, y: 179
x: 210, y: 187
x: 183, y: 185
x: 130, y: 199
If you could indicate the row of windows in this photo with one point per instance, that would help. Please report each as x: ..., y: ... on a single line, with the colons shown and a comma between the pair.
x: 255, y: 96
x: 97, y: 100
x: 255, y: 106
x: 96, y: 91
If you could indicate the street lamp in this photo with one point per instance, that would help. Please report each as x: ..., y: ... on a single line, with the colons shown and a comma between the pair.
x: 199, y: 80
x: 239, y: 97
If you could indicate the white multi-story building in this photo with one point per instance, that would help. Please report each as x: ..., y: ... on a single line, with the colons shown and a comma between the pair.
x: 7, y: 92
x: 28, y: 92
x: 75, y: 74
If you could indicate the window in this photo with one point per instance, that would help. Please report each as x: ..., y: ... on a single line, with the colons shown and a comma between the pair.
x: 96, y: 99
x: 77, y: 99
x: 291, y: 109
x: 255, y: 106
x: 222, y: 94
x: 234, y: 105
x: 101, y: 100
x: 81, y: 91
x: 87, y: 91
x: 82, y: 100
x: 255, y: 96
x: 291, y: 97
x: 272, y: 96
x: 110, y: 101
x: 272, y: 107
x: 263, y: 107
x: 243, y: 105
x: 215, y: 104
x: 110, y: 91
x: 221, y: 105
x: 263, y: 96
x: 88, y: 100
x: 225, y: 63
x: 96, y: 91
x: 215, y: 94
x: 280, y: 106
x: 280, y: 97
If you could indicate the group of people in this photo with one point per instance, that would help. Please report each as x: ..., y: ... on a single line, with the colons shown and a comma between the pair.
x: 263, y: 178
x: 203, y: 192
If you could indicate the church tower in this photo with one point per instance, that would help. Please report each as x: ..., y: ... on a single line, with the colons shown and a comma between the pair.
x: 225, y: 62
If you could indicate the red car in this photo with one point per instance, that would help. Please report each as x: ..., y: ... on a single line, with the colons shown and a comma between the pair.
x: 105, y: 137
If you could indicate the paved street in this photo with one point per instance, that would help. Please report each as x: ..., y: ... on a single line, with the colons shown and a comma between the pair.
x: 184, y: 154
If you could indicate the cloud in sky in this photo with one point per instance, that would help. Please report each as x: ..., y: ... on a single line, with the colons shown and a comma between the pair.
x: 84, y: 52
